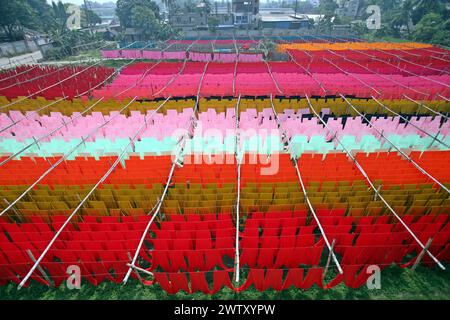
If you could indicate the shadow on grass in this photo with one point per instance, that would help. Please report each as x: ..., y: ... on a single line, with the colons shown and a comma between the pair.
x: 396, y: 283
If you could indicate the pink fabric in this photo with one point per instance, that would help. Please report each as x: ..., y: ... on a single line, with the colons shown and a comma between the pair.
x: 200, y: 56
x: 181, y: 55
x: 110, y: 54
x: 131, y: 54
x: 174, y: 55
x: 152, y: 55
x: 163, y: 125
x: 247, y: 57
x: 254, y: 79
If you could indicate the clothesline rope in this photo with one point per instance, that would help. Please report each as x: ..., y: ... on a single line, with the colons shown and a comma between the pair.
x: 311, y: 208
x: 102, y: 179
x: 65, y: 156
x: 418, y: 167
x: 374, y: 188
x: 182, y: 142
x: 57, y: 70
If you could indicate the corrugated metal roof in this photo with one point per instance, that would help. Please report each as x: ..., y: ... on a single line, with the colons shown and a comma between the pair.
x: 282, y: 18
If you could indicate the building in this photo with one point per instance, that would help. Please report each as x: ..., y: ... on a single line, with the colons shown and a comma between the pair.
x: 348, y: 8
x: 283, y: 18
x: 188, y: 20
x: 245, y: 13
x: 223, y: 14
x: 192, y: 20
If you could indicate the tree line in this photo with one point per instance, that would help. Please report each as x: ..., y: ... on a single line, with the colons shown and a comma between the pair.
x: 415, y: 20
x: 37, y: 15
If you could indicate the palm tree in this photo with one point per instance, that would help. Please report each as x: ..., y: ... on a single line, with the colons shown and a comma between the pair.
x: 422, y: 7
x: 60, y: 15
x: 403, y: 16
x: 411, y: 11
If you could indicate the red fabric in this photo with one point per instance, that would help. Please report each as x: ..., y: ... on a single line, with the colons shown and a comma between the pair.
x: 306, y: 256
x: 179, y: 282
x: 177, y: 261
x: 266, y: 257
x: 213, y: 259
x: 360, y: 278
x: 284, y: 258
x: 203, y: 240
x: 199, y: 283
x: 294, y: 278
x: 196, y: 260
x: 255, y: 277
x: 101, y: 250
x: 249, y: 256
x: 43, y: 81
x: 221, y: 278
x: 160, y: 258
x: 335, y: 282
x: 288, y: 241
x: 274, y: 279
x: 57, y: 272
x: 314, y: 276
x: 163, y: 280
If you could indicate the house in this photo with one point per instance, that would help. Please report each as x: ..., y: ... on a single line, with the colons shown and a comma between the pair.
x: 223, y: 14
x: 283, y: 18
x: 245, y: 13
x: 197, y: 19
x: 188, y: 20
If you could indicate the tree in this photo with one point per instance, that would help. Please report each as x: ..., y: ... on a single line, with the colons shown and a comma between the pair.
x: 16, y: 15
x: 403, y: 16
x: 190, y: 6
x: 302, y: 7
x: 423, y: 20
x: 213, y: 23
x: 144, y: 18
x: 124, y: 10
x: 423, y: 7
x: 442, y: 37
x: 51, y: 19
x: 173, y: 7
x: 42, y: 19
x: 89, y: 18
x: 433, y: 28
x: 60, y: 17
x: 359, y: 28
x: 327, y: 8
x: 143, y: 15
x: 204, y: 8
x: 164, y: 31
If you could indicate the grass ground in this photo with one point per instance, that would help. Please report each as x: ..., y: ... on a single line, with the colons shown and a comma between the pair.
x: 396, y: 284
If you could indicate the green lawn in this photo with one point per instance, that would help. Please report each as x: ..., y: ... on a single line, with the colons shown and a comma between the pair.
x: 424, y: 283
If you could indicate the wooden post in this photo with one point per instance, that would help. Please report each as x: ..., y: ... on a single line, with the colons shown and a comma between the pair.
x: 46, y: 277
x: 328, y: 259
x: 422, y: 253
x: 133, y: 267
